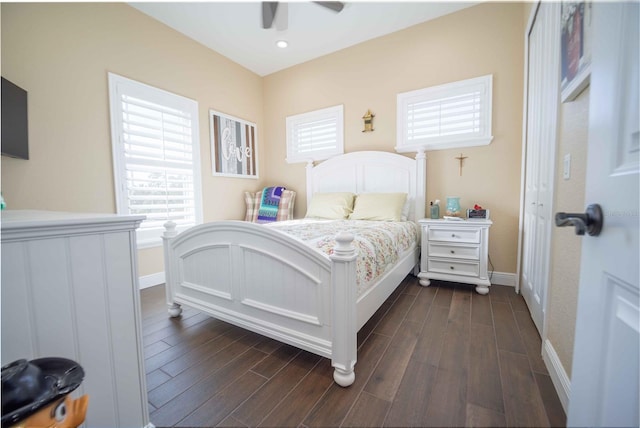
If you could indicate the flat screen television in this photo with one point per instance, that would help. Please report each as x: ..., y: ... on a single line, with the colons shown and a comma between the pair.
x: 15, y: 133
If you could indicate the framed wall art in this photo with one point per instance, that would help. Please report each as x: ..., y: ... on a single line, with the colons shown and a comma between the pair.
x: 575, y: 48
x: 234, y: 146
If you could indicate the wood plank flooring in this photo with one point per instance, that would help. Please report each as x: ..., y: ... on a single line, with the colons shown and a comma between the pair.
x: 436, y: 356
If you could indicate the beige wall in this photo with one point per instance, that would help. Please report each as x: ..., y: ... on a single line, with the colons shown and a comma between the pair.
x: 528, y: 7
x: 61, y: 53
x: 566, y: 247
x: 485, y: 39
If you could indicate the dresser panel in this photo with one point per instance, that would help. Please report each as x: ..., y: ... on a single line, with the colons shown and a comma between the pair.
x: 70, y: 289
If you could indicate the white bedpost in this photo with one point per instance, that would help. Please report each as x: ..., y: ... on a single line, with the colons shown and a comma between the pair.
x: 343, y: 279
x: 309, y: 169
x: 169, y: 232
x: 421, y: 182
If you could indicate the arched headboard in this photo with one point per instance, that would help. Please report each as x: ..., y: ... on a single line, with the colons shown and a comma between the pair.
x: 370, y: 171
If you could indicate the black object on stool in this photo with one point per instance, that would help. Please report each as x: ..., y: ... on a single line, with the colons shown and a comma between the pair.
x: 28, y: 386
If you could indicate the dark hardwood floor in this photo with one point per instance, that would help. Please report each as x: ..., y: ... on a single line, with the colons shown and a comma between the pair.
x: 436, y: 356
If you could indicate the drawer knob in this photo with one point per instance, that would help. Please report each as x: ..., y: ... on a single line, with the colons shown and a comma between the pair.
x: 453, y: 252
x: 451, y: 267
x: 453, y: 235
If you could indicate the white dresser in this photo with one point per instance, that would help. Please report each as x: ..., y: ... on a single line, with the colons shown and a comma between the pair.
x: 455, y: 251
x: 70, y: 289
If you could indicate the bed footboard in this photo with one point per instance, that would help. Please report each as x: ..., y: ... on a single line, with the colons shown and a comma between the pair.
x: 267, y: 282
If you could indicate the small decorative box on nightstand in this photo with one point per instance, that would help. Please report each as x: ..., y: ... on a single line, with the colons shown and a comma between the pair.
x: 455, y: 251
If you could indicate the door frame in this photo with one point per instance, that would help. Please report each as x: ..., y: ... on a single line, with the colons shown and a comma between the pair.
x: 552, y: 172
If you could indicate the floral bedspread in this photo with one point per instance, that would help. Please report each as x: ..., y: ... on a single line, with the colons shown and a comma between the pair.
x: 378, y: 243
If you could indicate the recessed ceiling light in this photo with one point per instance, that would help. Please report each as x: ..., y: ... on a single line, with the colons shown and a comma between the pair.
x: 282, y: 44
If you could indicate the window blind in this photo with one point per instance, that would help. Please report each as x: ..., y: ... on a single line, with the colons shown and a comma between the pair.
x: 452, y: 115
x: 158, y: 160
x: 315, y: 135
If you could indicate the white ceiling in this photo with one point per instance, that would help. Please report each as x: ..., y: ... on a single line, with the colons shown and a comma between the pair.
x: 234, y: 29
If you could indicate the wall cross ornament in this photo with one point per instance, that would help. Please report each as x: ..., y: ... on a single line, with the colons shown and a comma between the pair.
x: 460, y: 159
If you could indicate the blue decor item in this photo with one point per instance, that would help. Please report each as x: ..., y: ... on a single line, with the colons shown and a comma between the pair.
x: 453, y: 206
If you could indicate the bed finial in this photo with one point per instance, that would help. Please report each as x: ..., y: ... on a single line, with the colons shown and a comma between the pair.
x: 170, y: 229
x: 344, y: 244
x: 344, y: 378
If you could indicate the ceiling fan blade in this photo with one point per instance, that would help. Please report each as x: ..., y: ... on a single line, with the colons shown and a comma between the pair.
x: 281, y: 20
x: 336, y: 6
x: 269, y: 9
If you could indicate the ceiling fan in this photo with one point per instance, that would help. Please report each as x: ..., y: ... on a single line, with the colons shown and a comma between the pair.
x: 269, y: 9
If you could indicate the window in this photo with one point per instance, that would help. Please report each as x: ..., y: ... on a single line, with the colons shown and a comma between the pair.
x: 446, y: 116
x: 156, y: 156
x: 316, y: 135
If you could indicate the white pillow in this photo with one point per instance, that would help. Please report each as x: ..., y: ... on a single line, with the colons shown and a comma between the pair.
x: 405, y: 210
x: 379, y: 206
x: 331, y: 205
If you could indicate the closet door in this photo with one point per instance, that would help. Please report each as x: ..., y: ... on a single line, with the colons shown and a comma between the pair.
x: 542, y: 106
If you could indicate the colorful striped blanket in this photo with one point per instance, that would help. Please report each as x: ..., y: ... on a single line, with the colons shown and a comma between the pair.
x: 269, y: 203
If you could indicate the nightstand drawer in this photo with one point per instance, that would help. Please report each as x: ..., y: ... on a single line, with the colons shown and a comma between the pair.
x: 453, y: 234
x: 453, y: 267
x: 454, y: 251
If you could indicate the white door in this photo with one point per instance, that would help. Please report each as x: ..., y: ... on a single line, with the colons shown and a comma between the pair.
x: 543, y: 85
x: 604, y: 384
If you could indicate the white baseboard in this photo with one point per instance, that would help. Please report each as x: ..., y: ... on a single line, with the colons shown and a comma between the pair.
x: 151, y: 280
x: 557, y: 373
x: 503, y: 278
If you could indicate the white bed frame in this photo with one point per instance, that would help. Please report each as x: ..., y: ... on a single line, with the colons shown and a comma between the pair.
x: 262, y: 280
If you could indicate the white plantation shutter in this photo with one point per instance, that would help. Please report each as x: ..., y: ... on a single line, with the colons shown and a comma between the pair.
x: 316, y: 135
x: 452, y: 115
x: 156, y: 154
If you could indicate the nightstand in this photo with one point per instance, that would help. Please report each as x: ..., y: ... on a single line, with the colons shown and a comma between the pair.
x: 455, y: 251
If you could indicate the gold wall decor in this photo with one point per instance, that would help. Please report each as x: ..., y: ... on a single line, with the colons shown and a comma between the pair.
x: 368, y: 121
x: 460, y: 159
